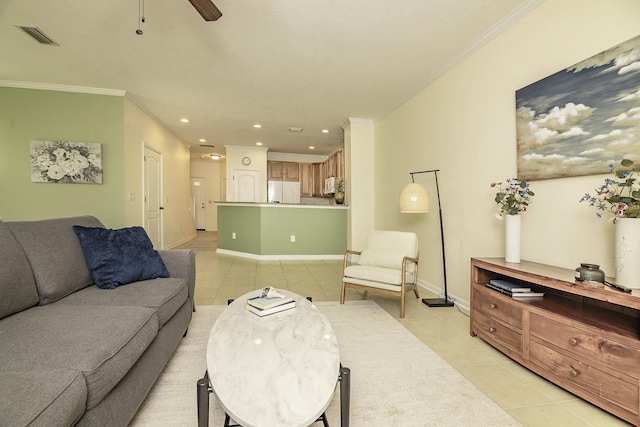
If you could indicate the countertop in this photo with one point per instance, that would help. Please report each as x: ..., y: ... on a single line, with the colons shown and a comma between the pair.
x: 282, y: 205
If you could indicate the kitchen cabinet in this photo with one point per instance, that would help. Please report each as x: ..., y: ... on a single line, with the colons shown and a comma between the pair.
x: 318, y: 179
x: 306, y: 179
x: 582, y: 338
x: 283, y: 171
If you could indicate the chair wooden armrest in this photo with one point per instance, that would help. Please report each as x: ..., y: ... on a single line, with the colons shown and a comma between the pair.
x: 347, y: 255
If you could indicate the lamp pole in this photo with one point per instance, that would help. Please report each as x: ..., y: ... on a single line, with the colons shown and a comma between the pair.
x: 437, y: 302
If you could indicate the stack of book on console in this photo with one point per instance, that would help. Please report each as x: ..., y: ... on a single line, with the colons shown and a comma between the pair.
x: 513, y: 290
x: 264, y: 306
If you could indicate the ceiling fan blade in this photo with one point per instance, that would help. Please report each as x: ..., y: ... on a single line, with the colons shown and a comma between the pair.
x: 207, y: 9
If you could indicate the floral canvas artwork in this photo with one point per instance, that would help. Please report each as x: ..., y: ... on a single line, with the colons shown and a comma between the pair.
x: 582, y: 119
x: 66, y: 162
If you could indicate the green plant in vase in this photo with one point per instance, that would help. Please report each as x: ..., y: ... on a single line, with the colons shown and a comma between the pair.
x: 339, y: 194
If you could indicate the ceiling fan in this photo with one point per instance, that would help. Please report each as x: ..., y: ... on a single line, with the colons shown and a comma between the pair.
x: 207, y: 9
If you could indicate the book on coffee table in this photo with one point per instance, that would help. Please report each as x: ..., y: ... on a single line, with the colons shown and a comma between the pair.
x: 264, y: 302
x: 267, y: 311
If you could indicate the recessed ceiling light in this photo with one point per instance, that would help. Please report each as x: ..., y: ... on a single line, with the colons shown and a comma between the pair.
x: 257, y: 126
x: 203, y: 140
x: 258, y: 143
x: 215, y: 156
x: 312, y: 147
x: 325, y: 130
x: 184, y: 120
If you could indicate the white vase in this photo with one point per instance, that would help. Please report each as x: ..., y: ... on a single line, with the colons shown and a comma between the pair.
x: 512, y: 238
x: 627, y: 247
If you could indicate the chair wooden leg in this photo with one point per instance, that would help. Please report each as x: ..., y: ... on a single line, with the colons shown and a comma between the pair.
x: 344, y: 289
x: 402, y: 294
x: 415, y: 291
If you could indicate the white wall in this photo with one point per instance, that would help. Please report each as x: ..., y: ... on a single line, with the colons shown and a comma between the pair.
x: 464, y: 125
x: 359, y: 179
x: 140, y: 129
x: 210, y: 170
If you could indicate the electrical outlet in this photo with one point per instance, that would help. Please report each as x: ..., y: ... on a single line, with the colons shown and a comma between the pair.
x: 293, y: 238
x: 233, y: 235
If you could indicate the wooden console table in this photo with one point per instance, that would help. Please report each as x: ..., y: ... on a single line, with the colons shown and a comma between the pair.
x: 584, y: 339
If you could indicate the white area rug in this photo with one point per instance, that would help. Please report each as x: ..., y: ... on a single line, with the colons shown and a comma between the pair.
x: 395, y: 379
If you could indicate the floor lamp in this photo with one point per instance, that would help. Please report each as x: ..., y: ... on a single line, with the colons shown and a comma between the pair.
x: 415, y: 199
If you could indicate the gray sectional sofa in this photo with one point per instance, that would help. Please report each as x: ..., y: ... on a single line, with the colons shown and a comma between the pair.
x: 70, y: 352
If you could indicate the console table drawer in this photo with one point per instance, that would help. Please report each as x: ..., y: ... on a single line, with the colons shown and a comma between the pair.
x: 591, y: 346
x: 497, y: 306
x: 620, y: 391
x: 497, y: 334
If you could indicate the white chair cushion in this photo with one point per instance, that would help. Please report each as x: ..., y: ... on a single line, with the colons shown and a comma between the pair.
x: 388, y: 248
x: 381, y: 275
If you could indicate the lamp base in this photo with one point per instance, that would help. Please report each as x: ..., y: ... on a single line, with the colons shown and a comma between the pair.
x: 437, y: 302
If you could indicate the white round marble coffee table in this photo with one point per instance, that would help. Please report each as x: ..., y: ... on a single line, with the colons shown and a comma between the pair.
x: 277, y: 370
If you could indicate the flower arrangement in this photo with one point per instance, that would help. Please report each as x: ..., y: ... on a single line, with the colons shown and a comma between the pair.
x: 620, y: 196
x: 62, y: 161
x: 513, y: 196
x: 340, y: 186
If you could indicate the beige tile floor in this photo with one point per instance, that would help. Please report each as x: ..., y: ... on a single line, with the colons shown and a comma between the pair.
x: 530, y: 399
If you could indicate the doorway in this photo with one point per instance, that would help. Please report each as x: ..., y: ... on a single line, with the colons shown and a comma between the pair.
x: 198, y: 195
x: 153, y: 196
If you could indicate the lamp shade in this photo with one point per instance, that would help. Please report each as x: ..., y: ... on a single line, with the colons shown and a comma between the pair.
x: 414, y: 199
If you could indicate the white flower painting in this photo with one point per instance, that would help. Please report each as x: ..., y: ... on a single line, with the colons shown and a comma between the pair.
x: 583, y: 119
x: 66, y: 162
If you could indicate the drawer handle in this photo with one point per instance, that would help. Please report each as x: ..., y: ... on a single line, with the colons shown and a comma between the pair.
x: 574, y: 373
x: 492, y: 330
x: 574, y: 341
x: 493, y: 306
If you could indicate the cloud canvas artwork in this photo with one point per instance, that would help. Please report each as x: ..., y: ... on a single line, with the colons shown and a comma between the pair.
x: 582, y: 119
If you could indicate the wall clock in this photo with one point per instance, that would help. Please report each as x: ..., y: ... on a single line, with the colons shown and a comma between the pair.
x: 246, y: 161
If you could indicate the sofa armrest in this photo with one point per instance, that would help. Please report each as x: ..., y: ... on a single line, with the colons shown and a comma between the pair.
x: 181, y: 263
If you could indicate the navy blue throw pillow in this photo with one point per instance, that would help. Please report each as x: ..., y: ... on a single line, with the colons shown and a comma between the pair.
x: 118, y: 257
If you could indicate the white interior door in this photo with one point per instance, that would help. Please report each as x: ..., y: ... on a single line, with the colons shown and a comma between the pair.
x: 198, y: 194
x: 246, y: 185
x: 153, y: 196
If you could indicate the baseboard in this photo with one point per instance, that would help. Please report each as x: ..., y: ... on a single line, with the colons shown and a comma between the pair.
x: 280, y: 257
x: 462, y: 304
x: 178, y: 243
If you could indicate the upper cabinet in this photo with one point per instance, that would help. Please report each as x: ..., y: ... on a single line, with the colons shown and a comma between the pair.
x: 283, y: 171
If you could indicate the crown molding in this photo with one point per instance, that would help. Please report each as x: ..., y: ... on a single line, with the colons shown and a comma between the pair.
x: 62, y: 88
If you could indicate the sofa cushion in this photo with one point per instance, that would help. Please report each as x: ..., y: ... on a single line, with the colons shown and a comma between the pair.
x: 42, y: 398
x: 17, y: 285
x: 164, y: 296
x: 103, y: 343
x: 119, y: 257
x: 55, y: 255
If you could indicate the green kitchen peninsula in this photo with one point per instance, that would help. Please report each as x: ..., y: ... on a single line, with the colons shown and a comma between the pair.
x: 282, y: 231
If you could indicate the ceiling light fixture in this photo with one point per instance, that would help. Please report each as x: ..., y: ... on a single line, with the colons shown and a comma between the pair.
x: 257, y: 126
x: 184, y: 120
x: 325, y: 130
x: 311, y: 147
x: 215, y: 157
x: 259, y: 143
x: 203, y: 140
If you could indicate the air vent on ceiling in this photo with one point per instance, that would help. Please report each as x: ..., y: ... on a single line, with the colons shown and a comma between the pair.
x: 37, y: 34
x: 207, y: 146
x: 295, y: 129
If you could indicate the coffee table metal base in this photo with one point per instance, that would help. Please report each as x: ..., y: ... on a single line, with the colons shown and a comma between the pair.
x: 204, y: 389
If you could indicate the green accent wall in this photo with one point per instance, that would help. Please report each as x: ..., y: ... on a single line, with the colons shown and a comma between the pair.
x: 267, y: 230
x: 31, y: 114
